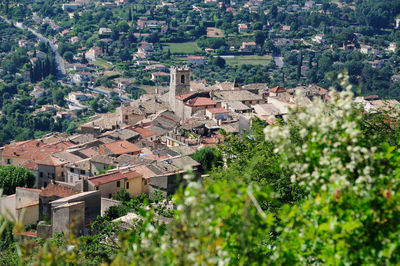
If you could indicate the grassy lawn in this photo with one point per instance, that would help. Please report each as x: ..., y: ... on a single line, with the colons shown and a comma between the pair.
x: 214, y: 32
x: 184, y: 47
x: 101, y: 63
x: 249, y: 59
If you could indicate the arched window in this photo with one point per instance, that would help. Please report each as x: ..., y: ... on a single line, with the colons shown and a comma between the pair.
x: 183, y: 79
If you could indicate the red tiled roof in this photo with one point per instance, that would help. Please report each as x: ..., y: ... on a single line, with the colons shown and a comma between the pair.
x: 217, y: 110
x: 30, y: 165
x: 320, y: 89
x: 185, y: 96
x: 131, y: 174
x: 200, y: 101
x: 121, y: 147
x: 107, y: 178
x: 144, y: 132
x: 277, y: 89
x: 34, y: 149
x: 56, y: 190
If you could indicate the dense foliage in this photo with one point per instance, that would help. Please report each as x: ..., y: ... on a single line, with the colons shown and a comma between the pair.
x: 15, y: 176
x: 208, y: 157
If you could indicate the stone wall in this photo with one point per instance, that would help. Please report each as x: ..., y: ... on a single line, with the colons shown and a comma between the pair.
x: 68, y: 217
x: 92, y: 203
x: 8, y: 206
x: 26, y: 196
x: 107, y: 203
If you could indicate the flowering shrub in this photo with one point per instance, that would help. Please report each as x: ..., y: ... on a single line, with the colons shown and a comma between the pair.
x: 351, y: 214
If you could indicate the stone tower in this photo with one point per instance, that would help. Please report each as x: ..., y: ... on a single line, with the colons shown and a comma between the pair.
x: 179, y: 83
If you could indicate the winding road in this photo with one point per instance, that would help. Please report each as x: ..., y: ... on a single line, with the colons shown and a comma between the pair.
x: 58, y: 58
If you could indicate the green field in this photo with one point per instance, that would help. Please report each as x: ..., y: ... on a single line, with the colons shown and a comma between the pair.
x: 102, y: 63
x: 185, y: 47
x: 249, y: 59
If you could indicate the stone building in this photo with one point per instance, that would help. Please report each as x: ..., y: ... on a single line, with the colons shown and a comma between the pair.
x: 179, y: 83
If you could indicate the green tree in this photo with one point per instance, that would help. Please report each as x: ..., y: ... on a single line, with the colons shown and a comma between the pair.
x: 69, y: 56
x: 259, y: 38
x: 208, y: 157
x: 58, y: 97
x: 123, y: 26
x: 219, y: 61
x: 13, y: 177
x: 122, y: 196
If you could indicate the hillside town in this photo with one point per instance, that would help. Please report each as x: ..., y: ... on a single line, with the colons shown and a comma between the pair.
x: 144, y: 147
x: 199, y: 132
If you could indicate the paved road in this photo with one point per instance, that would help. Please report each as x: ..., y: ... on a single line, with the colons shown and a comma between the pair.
x: 58, y: 58
x: 278, y: 61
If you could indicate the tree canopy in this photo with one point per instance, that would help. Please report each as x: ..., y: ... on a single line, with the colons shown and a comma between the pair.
x: 13, y: 176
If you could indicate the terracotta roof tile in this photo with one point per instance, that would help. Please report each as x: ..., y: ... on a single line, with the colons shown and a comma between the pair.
x: 131, y: 174
x: 30, y: 165
x: 121, y: 147
x: 200, y: 101
x: 56, y: 190
x: 277, y: 89
x: 144, y: 132
x: 106, y: 178
x: 185, y: 96
x: 34, y: 149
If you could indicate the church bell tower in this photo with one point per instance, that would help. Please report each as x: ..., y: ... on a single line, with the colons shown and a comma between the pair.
x: 179, y: 83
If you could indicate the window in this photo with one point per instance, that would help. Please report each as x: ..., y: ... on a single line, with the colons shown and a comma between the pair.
x: 183, y: 79
x: 52, y: 175
x: 145, y: 182
x: 109, y: 196
x: 127, y: 185
x: 41, y: 174
x: 82, y: 172
x: 97, y: 188
x: 8, y: 161
x: 126, y: 117
x: 72, y: 170
x: 118, y: 183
